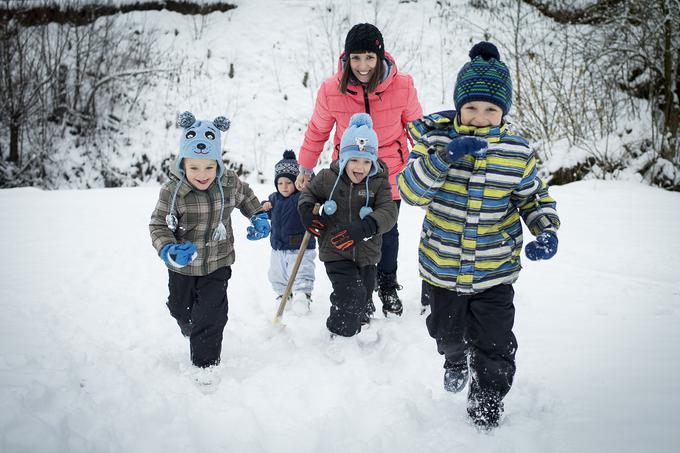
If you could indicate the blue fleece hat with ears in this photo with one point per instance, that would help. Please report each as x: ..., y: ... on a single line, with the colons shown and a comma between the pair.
x: 200, y: 139
x: 358, y: 141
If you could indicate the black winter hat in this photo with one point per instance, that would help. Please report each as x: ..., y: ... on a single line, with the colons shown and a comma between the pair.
x: 364, y: 38
x: 287, y: 167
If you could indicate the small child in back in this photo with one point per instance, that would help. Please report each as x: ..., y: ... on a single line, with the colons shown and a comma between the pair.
x: 191, y: 230
x: 357, y: 210
x: 476, y: 179
x: 286, y: 237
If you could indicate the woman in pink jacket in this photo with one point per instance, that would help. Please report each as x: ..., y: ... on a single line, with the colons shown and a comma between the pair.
x: 367, y: 81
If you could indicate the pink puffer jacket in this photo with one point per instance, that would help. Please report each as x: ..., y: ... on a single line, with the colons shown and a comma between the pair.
x: 392, y: 105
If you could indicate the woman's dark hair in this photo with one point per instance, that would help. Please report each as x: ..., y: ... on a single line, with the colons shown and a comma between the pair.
x: 373, y: 82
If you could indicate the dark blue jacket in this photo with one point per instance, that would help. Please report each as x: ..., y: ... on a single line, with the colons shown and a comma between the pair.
x: 287, y: 230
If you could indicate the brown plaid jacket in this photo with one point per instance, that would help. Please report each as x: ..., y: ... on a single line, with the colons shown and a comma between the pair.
x: 197, y: 213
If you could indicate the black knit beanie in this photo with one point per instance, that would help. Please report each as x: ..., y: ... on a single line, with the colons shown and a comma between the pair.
x: 364, y: 38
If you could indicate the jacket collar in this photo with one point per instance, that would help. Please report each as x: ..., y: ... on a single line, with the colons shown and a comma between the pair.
x: 491, y: 133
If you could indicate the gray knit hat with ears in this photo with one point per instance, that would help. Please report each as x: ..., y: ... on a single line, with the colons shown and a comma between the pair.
x: 200, y: 139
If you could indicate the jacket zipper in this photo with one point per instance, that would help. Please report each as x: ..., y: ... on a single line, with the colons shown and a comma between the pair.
x: 349, y: 219
x: 401, y: 152
x: 366, y: 106
x: 207, y: 233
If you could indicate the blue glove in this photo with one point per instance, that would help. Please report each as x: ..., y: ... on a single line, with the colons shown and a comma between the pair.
x: 179, y: 255
x: 543, y: 248
x: 460, y: 146
x: 260, y: 227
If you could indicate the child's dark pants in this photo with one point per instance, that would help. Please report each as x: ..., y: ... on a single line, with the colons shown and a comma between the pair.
x: 387, y: 267
x: 352, y: 287
x: 201, y: 302
x: 479, y: 325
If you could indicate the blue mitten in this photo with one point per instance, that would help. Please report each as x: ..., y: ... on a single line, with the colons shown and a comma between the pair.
x: 260, y: 227
x: 460, y: 146
x: 543, y: 248
x: 179, y: 255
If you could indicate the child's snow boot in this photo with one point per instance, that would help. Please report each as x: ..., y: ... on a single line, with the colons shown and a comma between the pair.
x: 301, y: 304
x: 485, y: 410
x: 370, y: 309
x: 455, y: 375
x: 206, y: 379
x: 288, y: 304
x: 387, y: 292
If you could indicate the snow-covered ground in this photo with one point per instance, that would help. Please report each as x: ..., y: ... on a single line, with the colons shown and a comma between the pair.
x: 90, y: 359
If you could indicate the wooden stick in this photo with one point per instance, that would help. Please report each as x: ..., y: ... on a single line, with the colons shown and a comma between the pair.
x: 293, y: 272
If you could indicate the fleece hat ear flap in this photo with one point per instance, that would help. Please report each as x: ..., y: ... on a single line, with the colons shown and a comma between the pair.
x: 358, y: 141
x: 484, y: 78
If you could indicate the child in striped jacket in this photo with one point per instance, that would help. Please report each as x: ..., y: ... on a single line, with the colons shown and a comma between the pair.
x: 476, y: 179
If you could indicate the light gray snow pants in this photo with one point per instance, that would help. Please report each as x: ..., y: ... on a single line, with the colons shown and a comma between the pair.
x: 280, y: 265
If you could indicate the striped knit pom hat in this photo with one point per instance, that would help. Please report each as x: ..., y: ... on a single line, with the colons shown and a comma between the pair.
x: 484, y: 78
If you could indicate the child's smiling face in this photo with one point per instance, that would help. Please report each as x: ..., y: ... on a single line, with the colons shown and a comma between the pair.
x: 200, y: 172
x: 480, y: 114
x: 357, y: 168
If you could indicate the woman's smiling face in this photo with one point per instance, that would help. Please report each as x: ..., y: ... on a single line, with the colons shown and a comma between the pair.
x: 363, y: 65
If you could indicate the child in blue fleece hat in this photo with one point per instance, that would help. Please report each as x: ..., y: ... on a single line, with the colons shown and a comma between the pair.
x: 357, y: 210
x: 191, y: 231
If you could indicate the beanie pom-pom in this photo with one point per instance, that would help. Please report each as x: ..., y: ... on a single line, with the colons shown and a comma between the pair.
x: 220, y: 233
x: 185, y: 119
x: 361, y: 119
x: 289, y: 154
x: 329, y: 207
x: 486, y: 50
x: 364, y: 211
x: 222, y: 123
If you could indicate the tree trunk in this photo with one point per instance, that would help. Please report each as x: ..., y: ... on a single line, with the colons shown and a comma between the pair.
x: 14, y: 141
x: 518, y: 73
x: 670, y: 111
x: 60, y: 102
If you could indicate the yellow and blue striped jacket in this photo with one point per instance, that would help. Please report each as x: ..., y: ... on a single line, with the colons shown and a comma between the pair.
x: 472, y: 236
